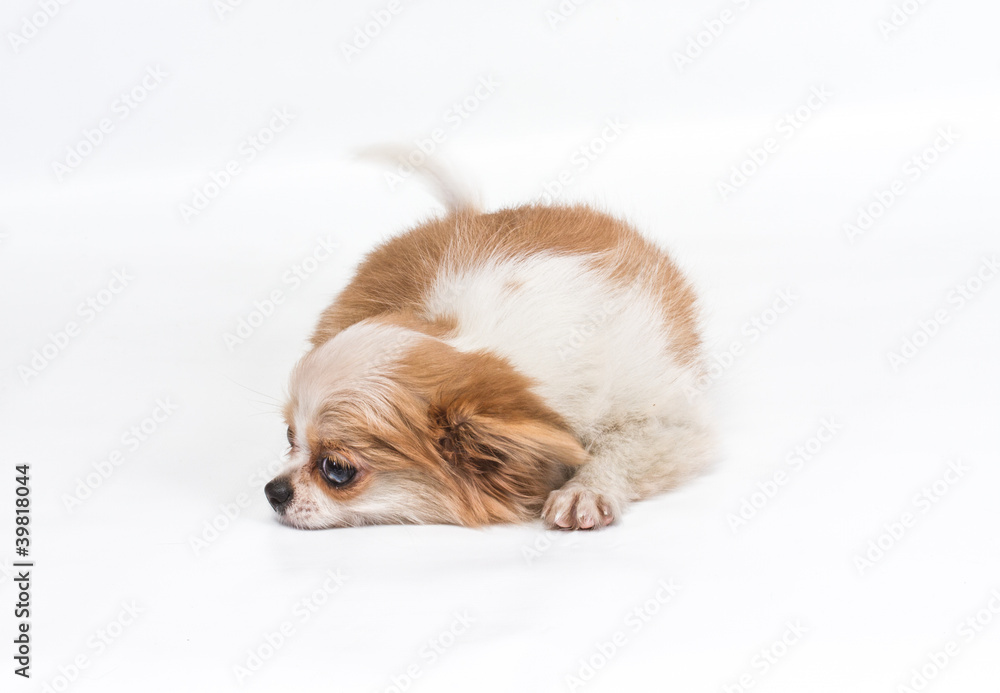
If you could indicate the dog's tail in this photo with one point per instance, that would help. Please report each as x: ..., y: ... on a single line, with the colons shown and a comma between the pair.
x: 449, y: 190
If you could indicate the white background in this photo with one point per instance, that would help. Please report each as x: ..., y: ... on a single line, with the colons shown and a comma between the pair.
x: 542, y: 604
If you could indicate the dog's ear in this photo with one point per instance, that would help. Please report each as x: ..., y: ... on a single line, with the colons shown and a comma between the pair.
x: 500, y: 446
x: 506, y: 465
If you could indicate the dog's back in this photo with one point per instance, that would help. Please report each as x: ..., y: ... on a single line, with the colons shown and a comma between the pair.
x: 599, y: 317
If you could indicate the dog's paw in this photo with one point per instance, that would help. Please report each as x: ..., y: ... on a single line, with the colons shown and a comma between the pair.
x: 577, y: 507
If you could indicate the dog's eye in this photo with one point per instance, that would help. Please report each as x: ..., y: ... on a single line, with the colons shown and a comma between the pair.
x: 337, y: 470
x: 291, y: 436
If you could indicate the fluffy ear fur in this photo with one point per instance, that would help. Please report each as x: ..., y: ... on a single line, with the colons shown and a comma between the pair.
x: 498, y: 445
x: 505, y: 467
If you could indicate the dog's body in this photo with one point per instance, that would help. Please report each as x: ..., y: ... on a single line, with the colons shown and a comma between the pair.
x: 487, y: 367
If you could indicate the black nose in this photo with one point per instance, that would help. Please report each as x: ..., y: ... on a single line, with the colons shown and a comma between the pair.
x: 278, y: 492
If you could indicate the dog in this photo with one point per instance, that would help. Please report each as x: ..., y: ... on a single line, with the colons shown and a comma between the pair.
x: 496, y: 367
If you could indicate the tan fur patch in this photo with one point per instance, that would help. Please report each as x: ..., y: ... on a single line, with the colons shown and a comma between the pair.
x: 502, y: 448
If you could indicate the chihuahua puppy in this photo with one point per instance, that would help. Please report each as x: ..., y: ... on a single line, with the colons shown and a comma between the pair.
x: 494, y: 368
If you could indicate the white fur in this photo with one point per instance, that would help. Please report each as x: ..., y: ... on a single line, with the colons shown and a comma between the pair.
x: 359, y: 361
x: 598, y: 353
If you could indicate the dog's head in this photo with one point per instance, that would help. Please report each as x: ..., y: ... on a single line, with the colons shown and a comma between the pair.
x: 389, y: 425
